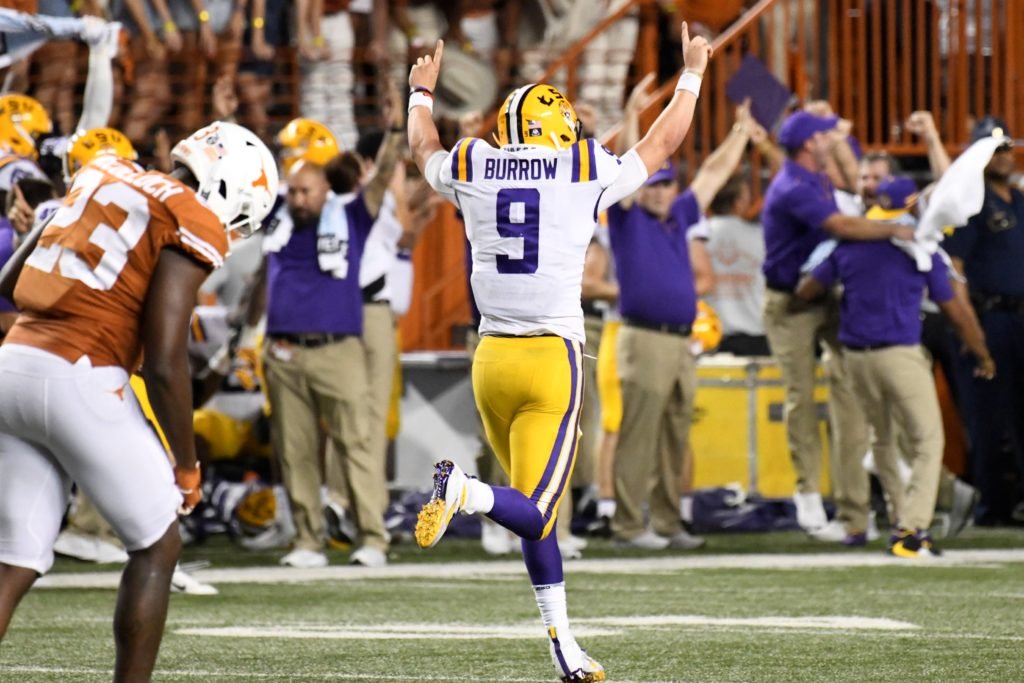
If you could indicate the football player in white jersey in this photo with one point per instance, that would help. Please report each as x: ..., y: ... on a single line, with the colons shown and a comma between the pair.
x: 530, y: 208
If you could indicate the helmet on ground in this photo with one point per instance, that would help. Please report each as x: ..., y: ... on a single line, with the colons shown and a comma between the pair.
x: 306, y: 140
x: 22, y: 120
x: 537, y: 114
x: 707, y: 328
x: 236, y: 172
x: 86, y: 145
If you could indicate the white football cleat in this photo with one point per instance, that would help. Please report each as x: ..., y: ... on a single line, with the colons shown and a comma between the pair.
x: 449, y: 497
x: 183, y: 582
x: 303, y: 558
x: 572, y: 663
x: 89, y: 548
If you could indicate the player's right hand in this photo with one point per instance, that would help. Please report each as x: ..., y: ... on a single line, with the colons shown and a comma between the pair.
x: 696, y: 52
x: 189, y: 483
x: 424, y: 71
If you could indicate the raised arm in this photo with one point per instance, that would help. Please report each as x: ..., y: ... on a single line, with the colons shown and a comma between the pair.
x: 922, y: 124
x: 720, y: 164
x: 424, y: 140
x: 387, y: 155
x: 672, y: 125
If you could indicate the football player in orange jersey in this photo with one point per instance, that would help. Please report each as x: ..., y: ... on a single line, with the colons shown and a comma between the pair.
x: 112, y: 275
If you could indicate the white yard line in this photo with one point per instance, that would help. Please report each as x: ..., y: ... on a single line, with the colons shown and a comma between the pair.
x: 640, y: 565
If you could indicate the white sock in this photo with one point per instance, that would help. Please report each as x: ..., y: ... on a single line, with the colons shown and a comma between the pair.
x: 686, y: 508
x: 606, y: 507
x: 479, y: 497
x: 553, y: 612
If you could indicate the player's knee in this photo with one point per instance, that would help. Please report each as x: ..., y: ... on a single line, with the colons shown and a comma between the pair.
x: 166, y: 550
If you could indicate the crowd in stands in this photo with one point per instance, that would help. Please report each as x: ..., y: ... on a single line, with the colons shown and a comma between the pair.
x: 295, y: 366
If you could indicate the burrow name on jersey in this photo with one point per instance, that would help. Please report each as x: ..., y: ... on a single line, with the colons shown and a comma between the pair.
x: 520, y: 169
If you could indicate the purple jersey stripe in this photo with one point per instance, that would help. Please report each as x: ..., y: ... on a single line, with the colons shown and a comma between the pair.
x: 572, y: 456
x: 575, y: 163
x: 592, y: 162
x: 469, y: 160
x: 455, y: 160
x: 562, y: 428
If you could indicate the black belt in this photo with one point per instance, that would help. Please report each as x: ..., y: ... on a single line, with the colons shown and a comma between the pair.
x: 870, y: 347
x: 373, y: 289
x: 310, y: 341
x: 590, y: 308
x: 780, y: 289
x: 385, y: 302
x: 681, y: 330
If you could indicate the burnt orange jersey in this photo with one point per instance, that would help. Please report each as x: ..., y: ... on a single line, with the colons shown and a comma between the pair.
x: 83, y: 288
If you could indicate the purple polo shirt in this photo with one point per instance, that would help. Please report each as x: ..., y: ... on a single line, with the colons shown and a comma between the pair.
x: 882, y: 290
x: 6, y: 252
x: 301, y: 298
x: 796, y: 204
x: 652, y: 261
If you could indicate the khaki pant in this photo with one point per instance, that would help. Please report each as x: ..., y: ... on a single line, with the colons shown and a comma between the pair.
x: 793, y: 329
x: 585, y: 473
x: 896, y: 387
x: 659, y: 384
x: 329, y: 382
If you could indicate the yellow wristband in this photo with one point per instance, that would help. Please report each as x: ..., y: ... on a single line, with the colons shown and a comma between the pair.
x: 204, y: 16
x: 319, y: 41
x: 170, y: 27
x: 257, y: 22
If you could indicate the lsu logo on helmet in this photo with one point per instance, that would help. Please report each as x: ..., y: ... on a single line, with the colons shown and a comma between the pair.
x: 22, y: 120
x: 86, y: 145
x: 538, y: 114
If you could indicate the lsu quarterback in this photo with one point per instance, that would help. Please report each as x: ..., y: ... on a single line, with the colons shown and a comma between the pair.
x: 530, y: 208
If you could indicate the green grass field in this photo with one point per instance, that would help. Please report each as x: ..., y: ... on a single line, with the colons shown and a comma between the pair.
x: 775, y: 607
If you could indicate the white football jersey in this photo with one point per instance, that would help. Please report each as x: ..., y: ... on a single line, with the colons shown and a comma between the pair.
x: 530, y: 212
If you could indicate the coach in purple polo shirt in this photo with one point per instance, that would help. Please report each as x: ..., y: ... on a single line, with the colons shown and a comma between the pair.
x: 7, y: 310
x: 657, y: 244
x: 880, y: 330
x: 314, y: 356
x: 799, y: 213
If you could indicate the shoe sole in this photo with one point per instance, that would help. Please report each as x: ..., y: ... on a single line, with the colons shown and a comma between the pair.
x: 435, y: 515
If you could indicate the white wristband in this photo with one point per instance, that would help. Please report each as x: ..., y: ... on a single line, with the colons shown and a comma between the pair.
x: 690, y: 82
x: 421, y: 99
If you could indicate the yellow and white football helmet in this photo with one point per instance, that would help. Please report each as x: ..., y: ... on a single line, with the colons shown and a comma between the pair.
x: 306, y: 140
x: 22, y: 120
x: 86, y: 145
x: 537, y: 114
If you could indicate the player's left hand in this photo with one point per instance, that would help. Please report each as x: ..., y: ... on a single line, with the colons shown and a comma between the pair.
x: 424, y: 71
x: 189, y: 483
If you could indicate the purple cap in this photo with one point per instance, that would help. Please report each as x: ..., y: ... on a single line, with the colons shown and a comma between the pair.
x: 800, y: 126
x: 667, y: 173
x: 896, y: 195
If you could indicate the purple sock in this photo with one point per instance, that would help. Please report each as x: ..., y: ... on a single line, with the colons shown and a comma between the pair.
x: 543, y: 561
x: 515, y: 512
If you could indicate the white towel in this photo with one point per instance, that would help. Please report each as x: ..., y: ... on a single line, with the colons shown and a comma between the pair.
x: 960, y: 192
x: 332, y: 236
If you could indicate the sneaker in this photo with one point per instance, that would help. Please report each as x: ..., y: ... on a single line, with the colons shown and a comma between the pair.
x: 908, y: 544
x: 601, y: 527
x: 572, y: 663
x: 496, y: 539
x: 833, y: 532
x: 648, y: 540
x: 810, y: 512
x: 368, y: 557
x: 685, y: 541
x: 965, y: 500
x: 304, y: 559
x: 872, y: 532
x: 89, y: 548
x: 448, y: 498
x: 183, y: 582
x: 272, y: 538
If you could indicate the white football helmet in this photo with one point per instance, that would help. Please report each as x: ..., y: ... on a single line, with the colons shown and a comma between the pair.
x: 237, y: 174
